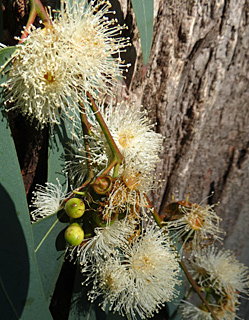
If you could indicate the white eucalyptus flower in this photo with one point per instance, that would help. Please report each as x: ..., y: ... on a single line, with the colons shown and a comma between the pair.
x: 190, y: 311
x: 134, y: 135
x: 145, y: 273
x: 110, y: 279
x: 102, y: 243
x: 135, y: 138
x: 56, y: 66
x: 154, y: 272
x: 224, y: 311
x: 221, y: 271
x: 199, y: 224
x: 47, y: 199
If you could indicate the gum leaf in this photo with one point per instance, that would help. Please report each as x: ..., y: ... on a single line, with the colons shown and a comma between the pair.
x: 144, y: 16
x: 21, y: 292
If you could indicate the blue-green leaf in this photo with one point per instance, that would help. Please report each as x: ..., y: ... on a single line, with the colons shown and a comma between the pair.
x: 6, y: 55
x: 59, y: 141
x: 50, y: 252
x: 81, y: 307
x: 144, y: 16
x: 49, y: 232
x: 21, y: 292
x: 172, y: 307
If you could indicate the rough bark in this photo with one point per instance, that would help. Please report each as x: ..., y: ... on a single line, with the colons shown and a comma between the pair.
x: 196, y: 89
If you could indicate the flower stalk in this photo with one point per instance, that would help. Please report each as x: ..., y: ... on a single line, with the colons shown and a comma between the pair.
x: 41, y: 11
x: 196, y: 288
x: 117, y: 156
x: 31, y: 19
x: 36, y: 8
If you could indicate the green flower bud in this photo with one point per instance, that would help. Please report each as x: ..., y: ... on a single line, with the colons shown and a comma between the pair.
x: 74, y: 234
x: 75, y: 208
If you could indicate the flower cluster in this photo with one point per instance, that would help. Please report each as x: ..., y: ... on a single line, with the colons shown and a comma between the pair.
x: 119, y: 233
x: 56, y: 67
x: 65, y: 70
x: 134, y: 136
x: 224, y: 278
x: 132, y: 279
x: 217, y: 273
x: 125, y: 258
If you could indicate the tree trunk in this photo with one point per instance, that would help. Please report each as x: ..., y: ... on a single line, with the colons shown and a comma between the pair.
x: 196, y: 88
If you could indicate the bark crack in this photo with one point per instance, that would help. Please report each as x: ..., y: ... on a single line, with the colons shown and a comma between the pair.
x: 242, y: 156
x: 223, y: 17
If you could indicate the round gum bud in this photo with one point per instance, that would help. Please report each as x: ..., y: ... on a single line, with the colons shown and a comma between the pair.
x: 103, y: 184
x: 75, y: 208
x: 74, y: 234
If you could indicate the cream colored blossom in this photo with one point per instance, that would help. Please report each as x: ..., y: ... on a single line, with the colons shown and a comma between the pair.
x: 102, y: 243
x: 56, y: 66
x: 145, y: 273
x: 190, y: 311
x: 199, y: 224
x: 154, y: 272
x: 133, y: 134
x: 47, y: 199
x: 138, y: 143
x: 224, y: 278
x: 220, y: 270
x: 226, y: 311
x: 110, y: 279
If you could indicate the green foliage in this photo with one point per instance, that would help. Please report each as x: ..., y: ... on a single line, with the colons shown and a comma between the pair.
x: 57, y: 148
x: 6, y: 55
x: 81, y: 308
x: 49, y: 232
x: 21, y: 292
x: 144, y: 16
x: 50, y: 252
